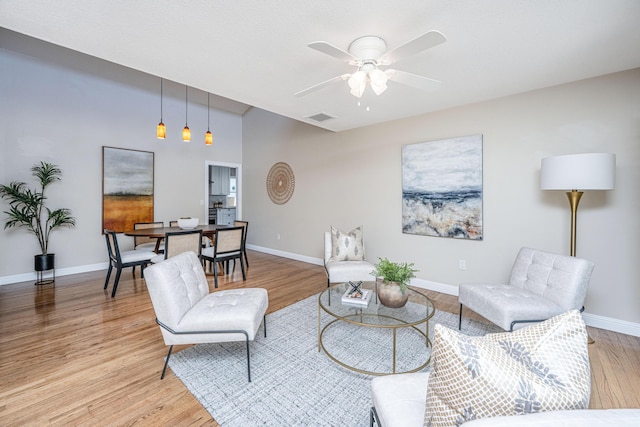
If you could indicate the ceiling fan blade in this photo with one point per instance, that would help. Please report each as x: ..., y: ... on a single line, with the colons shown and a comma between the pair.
x: 419, y: 44
x: 413, y: 80
x: 332, y: 50
x: 323, y: 84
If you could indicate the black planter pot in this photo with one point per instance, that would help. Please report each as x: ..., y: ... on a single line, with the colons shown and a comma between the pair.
x: 44, y: 263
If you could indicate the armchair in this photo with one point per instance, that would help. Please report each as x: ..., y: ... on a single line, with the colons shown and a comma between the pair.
x: 188, y: 314
x: 541, y: 285
x: 339, y: 271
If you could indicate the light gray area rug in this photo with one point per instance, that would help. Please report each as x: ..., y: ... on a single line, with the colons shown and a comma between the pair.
x: 293, y: 384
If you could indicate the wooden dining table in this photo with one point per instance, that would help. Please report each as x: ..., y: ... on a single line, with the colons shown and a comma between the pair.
x: 208, y: 230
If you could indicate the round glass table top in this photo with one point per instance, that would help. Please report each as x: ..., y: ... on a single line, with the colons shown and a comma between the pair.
x: 418, y: 309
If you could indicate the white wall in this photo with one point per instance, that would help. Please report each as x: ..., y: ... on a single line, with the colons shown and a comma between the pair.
x: 62, y: 107
x: 354, y: 178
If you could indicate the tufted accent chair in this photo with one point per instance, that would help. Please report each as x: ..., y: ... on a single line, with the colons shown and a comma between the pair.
x: 188, y: 314
x: 541, y: 285
x: 343, y: 271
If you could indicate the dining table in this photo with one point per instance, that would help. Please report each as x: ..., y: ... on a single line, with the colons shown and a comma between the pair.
x: 208, y: 230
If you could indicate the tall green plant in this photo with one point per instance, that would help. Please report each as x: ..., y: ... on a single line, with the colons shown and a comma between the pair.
x: 399, y: 272
x: 27, y: 207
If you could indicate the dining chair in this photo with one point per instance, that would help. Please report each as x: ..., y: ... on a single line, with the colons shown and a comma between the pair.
x: 227, y: 247
x: 206, y: 240
x: 245, y: 225
x: 148, y: 243
x: 124, y: 259
x: 173, y: 223
x: 177, y: 242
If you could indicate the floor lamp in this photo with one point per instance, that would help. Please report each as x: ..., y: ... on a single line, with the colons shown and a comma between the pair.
x: 574, y: 173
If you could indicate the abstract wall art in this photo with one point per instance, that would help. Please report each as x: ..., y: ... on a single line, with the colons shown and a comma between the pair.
x: 442, y: 188
x: 127, y: 188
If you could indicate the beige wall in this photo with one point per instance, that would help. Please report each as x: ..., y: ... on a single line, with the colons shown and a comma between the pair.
x: 354, y: 178
x: 62, y: 107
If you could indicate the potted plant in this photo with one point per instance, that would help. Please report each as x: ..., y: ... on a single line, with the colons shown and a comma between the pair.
x: 392, y: 291
x: 27, y: 209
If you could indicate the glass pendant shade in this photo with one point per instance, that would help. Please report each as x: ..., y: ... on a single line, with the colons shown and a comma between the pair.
x: 161, y: 131
x: 186, y: 133
x: 208, y: 137
x: 357, y: 83
x: 378, y: 81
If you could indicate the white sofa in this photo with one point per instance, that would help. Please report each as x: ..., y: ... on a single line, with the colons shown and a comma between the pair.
x: 399, y: 401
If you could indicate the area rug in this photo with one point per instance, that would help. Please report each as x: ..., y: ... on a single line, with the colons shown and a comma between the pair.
x: 294, y: 384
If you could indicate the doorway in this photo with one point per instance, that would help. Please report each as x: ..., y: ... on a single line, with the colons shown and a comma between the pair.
x: 223, y: 190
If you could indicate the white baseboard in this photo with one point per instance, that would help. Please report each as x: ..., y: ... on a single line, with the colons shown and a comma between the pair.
x: 28, y: 277
x: 593, y: 320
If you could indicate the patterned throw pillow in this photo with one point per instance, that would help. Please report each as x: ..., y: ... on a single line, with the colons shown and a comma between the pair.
x: 544, y: 367
x: 347, y: 246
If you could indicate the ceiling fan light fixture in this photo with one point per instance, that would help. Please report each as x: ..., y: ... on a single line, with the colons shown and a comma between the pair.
x: 358, y: 83
x: 378, y: 80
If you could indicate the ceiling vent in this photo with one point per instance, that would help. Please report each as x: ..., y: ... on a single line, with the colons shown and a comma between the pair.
x: 320, y: 117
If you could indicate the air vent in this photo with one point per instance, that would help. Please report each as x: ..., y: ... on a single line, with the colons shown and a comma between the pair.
x: 320, y: 117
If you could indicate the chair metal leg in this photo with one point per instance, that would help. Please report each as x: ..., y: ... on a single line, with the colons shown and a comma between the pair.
x: 373, y: 417
x: 248, y: 360
x: 106, y: 282
x: 264, y: 321
x: 166, y: 362
x: 246, y: 260
x: 115, y: 282
x: 460, y: 318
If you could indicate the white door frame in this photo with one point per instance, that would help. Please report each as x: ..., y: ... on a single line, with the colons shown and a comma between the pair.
x: 238, y: 168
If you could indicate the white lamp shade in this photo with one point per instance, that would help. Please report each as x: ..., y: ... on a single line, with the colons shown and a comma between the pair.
x: 587, y: 171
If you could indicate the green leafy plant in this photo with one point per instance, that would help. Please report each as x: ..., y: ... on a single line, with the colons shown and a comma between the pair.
x: 27, y: 207
x: 398, y: 272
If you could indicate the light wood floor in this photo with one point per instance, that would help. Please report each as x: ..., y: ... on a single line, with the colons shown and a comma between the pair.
x: 72, y: 355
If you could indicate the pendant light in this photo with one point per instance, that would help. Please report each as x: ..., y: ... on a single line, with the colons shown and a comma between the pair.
x: 208, y: 137
x: 186, y: 133
x: 161, y: 130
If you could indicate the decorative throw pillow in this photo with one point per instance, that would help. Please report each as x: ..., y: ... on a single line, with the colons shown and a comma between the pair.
x: 544, y: 367
x: 347, y: 246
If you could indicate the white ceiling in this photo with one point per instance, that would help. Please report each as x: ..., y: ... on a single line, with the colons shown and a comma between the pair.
x: 255, y: 51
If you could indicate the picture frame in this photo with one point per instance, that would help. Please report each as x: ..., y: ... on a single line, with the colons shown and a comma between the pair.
x: 127, y: 188
x: 442, y: 188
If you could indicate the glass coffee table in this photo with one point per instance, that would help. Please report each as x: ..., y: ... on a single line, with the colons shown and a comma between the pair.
x: 373, y: 339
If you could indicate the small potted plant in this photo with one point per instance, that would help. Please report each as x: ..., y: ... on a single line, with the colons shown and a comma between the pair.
x: 27, y: 209
x: 392, y: 291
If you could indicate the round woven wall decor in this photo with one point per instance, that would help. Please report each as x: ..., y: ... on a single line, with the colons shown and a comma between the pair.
x: 280, y: 183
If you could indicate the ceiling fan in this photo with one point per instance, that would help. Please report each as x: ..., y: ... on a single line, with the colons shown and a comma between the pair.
x: 368, y: 53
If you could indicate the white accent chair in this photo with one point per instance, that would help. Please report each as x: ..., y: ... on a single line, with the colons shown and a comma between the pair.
x: 400, y: 401
x: 541, y: 285
x: 344, y: 271
x: 188, y: 314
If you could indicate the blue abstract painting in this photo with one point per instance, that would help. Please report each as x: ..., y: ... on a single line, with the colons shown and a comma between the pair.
x: 442, y: 188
